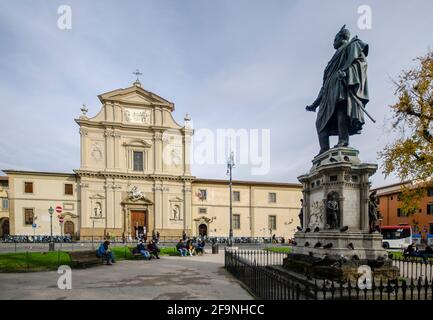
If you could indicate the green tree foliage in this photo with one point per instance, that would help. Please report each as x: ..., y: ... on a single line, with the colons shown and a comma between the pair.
x: 410, y: 156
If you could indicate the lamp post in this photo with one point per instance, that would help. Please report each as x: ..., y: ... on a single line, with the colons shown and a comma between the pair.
x: 51, y: 245
x: 93, y: 227
x: 230, y: 166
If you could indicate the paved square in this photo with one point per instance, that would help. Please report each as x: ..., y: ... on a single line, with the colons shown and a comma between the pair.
x: 168, y: 278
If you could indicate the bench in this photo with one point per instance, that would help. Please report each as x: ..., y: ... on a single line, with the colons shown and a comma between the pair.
x: 136, y: 255
x: 84, y: 259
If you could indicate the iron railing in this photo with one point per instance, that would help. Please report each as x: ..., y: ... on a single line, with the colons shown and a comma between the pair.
x: 267, y: 283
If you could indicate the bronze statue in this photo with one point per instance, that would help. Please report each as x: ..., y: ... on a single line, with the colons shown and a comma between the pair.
x: 301, y: 214
x: 373, y: 217
x: 332, y: 211
x: 344, y: 92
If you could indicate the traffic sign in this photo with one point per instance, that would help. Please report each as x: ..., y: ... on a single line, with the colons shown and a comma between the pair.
x: 34, y: 225
x: 59, y: 209
x: 61, y: 219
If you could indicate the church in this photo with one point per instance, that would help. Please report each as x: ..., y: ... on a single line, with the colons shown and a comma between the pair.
x: 135, y: 177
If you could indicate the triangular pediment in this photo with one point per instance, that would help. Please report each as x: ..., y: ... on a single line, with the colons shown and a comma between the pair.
x: 135, y: 95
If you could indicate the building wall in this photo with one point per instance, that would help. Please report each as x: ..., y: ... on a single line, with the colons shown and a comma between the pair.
x: 254, y: 208
x: 388, y: 208
x: 48, y: 191
x: 134, y: 119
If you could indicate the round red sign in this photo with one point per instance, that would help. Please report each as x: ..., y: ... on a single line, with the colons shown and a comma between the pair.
x: 61, y: 219
x: 59, y: 209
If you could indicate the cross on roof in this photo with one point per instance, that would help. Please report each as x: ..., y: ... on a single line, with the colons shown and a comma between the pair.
x: 137, y: 74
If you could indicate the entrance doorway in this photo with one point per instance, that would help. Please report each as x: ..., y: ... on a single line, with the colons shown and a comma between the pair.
x: 4, y: 227
x: 69, y: 229
x: 139, y: 226
x: 202, y: 230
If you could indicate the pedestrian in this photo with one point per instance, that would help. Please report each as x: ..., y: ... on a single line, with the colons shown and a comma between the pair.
x: 105, y: 253
x: 153, y: 249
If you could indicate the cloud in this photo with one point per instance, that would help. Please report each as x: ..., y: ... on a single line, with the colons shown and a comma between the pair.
x: 230, y: 64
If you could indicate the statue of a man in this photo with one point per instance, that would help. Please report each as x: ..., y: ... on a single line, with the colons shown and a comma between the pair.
x: 344, y: 92
x: 333, y: 210
x: 372, y: 211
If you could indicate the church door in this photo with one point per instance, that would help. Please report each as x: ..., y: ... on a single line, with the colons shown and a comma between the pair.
x: 69, y: 228
x: 138, y: 223
x: 202, y: 230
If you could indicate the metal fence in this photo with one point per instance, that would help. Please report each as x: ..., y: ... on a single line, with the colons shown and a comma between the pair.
x: 267, y: 284
x: 414, y: 268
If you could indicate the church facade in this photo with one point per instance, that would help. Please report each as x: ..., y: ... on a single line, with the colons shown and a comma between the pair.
x: 135, y: 177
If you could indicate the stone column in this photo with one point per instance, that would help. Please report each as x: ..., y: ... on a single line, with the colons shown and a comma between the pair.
x: 116, y: 149
x: 84, y: 146
x: 157, y: 152
x: 157, y: 208
x: 187, y: 152
x: 187, y: 210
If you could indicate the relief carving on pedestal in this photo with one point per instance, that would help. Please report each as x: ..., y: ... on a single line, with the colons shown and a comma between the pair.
x: 317, y: 215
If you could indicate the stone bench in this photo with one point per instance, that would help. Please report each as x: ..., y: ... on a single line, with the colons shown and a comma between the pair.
x: 84, y: 259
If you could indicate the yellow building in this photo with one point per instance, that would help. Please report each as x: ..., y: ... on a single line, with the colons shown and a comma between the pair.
x: 135, y: 177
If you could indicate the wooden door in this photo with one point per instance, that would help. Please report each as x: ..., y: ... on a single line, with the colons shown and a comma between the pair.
x: 69, y: 228
x: 138, y: 222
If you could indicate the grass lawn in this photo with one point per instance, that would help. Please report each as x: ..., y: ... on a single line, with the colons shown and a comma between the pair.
x: 33, y: 261
x: 48, y: 261
x: 280, y: 249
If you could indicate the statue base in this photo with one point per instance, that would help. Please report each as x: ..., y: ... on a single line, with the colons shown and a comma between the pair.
x: 335, y: 268
x: 336, y: 238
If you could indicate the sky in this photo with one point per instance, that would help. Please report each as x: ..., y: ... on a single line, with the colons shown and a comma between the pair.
x: 240, y: 64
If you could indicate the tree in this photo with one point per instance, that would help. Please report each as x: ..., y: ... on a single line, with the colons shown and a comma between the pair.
x: 410, y: 156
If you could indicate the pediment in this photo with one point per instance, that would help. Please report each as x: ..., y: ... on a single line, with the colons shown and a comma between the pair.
x: 97, y: 196
x: 135, y: 95
x: 176, y: 199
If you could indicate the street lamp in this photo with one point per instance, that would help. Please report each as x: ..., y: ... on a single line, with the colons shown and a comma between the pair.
x: 230, y: 166
x: 51, y: 245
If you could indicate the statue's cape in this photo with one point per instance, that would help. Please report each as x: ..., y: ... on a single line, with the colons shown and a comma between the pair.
x: 349, y: 58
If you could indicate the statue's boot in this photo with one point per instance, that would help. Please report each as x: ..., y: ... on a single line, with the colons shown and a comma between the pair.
x: 342, y: 144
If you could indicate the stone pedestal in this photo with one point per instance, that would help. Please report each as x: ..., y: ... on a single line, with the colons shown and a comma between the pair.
x: 336, y: 221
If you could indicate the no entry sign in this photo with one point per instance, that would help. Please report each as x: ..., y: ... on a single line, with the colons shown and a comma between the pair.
x: 61, y: 219
x: 59, y: 209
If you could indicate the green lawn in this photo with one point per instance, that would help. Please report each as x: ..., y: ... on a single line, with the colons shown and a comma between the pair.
x: 47, y: 261
x: 280, y: 249
x: 32, y: 261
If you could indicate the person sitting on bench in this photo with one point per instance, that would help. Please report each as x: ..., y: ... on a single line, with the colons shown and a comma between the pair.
x: 153, y: 249
x: 105, y: 253
x: 190, y: 247
x: 199, y: 248
x: 142, y: 249
x: 180, y: 246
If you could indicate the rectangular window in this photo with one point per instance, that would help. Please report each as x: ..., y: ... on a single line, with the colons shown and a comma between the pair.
x: 5, y: 203
x: 430, y: 208
x: 202, y: 194
x: 400, y: 213
x: 69, y: 189
x: 272, y: 197
x: 272, y: 222
x: 430, y: 192
x: 28, y: 187
x: 202, y: 210
x: 138, y: 158
x: 28, y: 216
x: 236, y: 221
x: 236, y: 196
